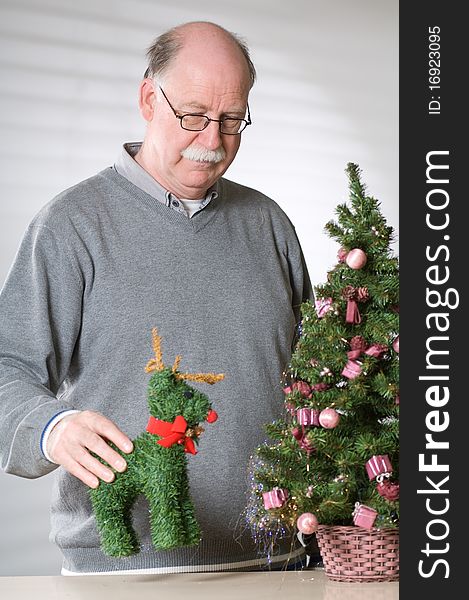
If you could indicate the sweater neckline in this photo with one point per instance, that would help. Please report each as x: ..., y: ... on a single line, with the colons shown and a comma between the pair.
x: 172, y: 218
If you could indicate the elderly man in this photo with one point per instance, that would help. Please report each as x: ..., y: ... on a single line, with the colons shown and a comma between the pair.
x: 159, y: 239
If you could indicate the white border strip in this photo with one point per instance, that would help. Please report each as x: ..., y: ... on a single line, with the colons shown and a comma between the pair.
x: 193, y: 568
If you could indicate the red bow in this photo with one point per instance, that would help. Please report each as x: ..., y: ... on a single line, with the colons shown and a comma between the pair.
x: 171, y: 433
x: 354, y: 295
x: 358, y: 346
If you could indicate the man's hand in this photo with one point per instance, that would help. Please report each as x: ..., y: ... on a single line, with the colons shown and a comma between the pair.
x: 72, y: 439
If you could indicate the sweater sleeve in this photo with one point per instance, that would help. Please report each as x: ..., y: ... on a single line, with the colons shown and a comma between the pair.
x: 40, y: 307
x: 299, y: 277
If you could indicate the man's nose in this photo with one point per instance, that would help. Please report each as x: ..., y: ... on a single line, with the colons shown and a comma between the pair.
x: 210, y: 137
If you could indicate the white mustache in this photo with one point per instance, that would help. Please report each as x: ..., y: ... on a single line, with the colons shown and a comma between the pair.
x: 201, y: 154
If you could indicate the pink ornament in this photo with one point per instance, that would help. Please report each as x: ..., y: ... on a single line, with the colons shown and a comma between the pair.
x: 378, y: 465
x: 354, y: 295
x: 320, y: 387
x: 302, y: 387
x: 357, y: 344
x: 276, y: 498
x: 297, y: 433
x: 342, y: 255
x: 306, y: 445
x: 352, y: 369
x: 307, y: 523
x: 302, y: 439
x: 395, y: 344
x: 376, y: 350
x: 356, y: 259
x: 364, y: 516
x: 389, y: 490
x: 304, y: 416
x: 329, y: 418
x: 322, y: 306
x: 315, y: 417
x: 307, y: 416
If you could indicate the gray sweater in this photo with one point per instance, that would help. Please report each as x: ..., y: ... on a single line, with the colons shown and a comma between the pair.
x: 97, y: 269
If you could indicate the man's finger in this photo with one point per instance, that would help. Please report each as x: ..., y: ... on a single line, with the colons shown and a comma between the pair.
x: 94, y: 466
x: 108, y: 430
x: 81, y: 473
x: 98, y: 446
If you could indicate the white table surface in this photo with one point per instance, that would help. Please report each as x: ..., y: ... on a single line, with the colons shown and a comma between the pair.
x: 289, y: 585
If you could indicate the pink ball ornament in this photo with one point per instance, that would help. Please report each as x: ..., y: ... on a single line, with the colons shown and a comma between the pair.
x: 356, y: 259
x: 307, y: 523
x: 395, y: 344
x: 329, y: 418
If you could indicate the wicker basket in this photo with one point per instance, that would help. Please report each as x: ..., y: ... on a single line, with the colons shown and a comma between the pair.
x: 355, y: 554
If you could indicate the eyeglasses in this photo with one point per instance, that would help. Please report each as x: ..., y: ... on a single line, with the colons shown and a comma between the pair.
x: 198, y: 122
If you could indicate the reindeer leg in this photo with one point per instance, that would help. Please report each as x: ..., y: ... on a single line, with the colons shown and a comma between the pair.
x: 192, y: 532
x: 112, y: 504
x: 163, y: 496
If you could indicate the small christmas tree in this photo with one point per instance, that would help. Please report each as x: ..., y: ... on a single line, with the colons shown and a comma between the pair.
x: 334, y: 457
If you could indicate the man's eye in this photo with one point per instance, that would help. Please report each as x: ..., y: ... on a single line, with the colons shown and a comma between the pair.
x: 230, y: 124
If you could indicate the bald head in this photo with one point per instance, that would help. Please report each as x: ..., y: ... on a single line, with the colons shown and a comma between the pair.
x: 195, y: 70
x: 199, y: 41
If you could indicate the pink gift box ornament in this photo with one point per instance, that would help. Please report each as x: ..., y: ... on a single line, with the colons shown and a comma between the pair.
x: 378, y: 465
x: 352, y: 369
x: 315, y: 417
x: 364, y: 516
x: 303, y: 416
x: 308, y: 416
x: 276, y: 498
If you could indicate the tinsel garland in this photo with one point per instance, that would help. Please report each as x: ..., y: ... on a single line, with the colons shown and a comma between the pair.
x: 266, y: 527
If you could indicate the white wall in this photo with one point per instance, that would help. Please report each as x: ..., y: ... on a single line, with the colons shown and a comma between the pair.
x: 327, y: 94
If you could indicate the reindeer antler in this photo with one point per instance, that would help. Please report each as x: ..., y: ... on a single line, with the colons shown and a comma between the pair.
x: 155, y: 364
x: 177, y: 360
x: 210, y: 378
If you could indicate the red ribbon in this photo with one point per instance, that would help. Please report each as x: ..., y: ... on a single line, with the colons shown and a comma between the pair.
x: 353, y: 314
x: 358, y: 344
x: 354, y: 295
x: 375, y: 350
x: 171, y: 433
x: 300, y: 436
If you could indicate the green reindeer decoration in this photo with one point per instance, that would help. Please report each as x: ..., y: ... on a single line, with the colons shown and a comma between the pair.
x: 157, y: 467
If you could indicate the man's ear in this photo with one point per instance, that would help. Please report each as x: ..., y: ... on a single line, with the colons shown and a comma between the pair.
x: 147, y: 99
